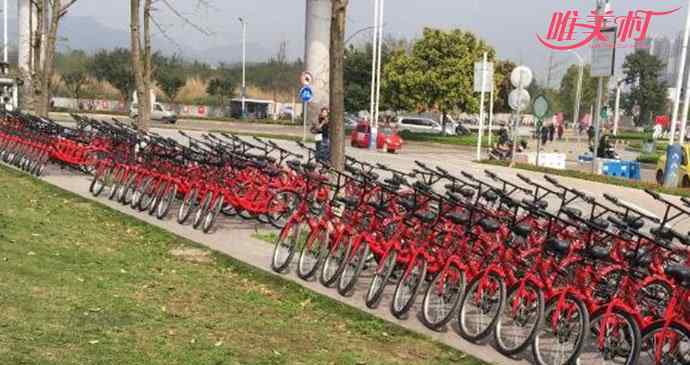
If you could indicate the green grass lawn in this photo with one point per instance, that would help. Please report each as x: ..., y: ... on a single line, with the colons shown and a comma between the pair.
x: 83, y: 284
x: 469, y: 140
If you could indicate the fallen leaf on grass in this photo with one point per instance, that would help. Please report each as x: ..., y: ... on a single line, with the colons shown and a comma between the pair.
x: 31, y: 253
x: 219, y: 343
x: 93, y: 342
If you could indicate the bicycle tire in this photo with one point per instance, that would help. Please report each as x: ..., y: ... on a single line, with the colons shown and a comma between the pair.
x: 457, y: 290
x: 166, y: 202
x: 287, y: 240
x: 546, y: 326
x: 649, y: 337
x: 189, y: 202
x: 212, y: 214
x: 202, y: 210
x: 333, y: 265
x: 535, y: 311
x: 591, y: 354
x: 354, y: 266
x: 313, y: 254
x: 499, y: 291
x: 378, y: 283
x: 400, y: 306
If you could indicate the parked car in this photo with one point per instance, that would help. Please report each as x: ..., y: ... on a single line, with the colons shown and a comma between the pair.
x: 158, y: 112
x: 286, y: 112
x: 387, y: 138
x: 423, y: 125
x: 351, y: 122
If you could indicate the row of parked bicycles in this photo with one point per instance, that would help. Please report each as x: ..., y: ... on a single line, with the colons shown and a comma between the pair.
x: 525, y: 264
x: 590, y: 281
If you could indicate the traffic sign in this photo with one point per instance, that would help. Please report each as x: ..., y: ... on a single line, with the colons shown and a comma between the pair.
x: 519, y: 101
x: 306, y: 78
x: 521, y: 77
x: 488, y: 73
x: 306, y: 93
x: 604, y: 54
x: 541, y: 107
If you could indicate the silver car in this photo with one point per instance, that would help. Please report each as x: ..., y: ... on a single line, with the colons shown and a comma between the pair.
x: 423, y: 125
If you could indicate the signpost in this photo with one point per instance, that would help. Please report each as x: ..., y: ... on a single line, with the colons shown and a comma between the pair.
x: 603, y: 63
x: 483, y: 82
x: 519, y: 99
x: 306, y: 94
x: 541, y: 108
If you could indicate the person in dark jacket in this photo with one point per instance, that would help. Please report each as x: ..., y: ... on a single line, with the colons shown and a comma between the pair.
x: 321, y: 134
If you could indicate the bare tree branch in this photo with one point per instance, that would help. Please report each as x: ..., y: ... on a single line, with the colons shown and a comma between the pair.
x: 186, y: 19
x: 165, y: 34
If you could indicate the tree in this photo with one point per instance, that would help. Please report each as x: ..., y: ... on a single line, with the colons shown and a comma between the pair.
x: 642, y: 71
x: 220, y: 88
x: 568, y: 91
x: 48, y: 16
x: 503, y: 87
x: 438, y: 74
x: 75, y: 82
x: 337, y: 83
x: 169, y: 74
x: 114, y: 67
x: 141, y: 60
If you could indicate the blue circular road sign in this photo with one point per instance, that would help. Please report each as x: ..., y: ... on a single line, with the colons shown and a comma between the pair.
x: 306, y: 94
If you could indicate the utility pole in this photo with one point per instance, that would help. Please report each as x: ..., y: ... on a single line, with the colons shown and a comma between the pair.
x: 679, y: 80
x: 244, y: 66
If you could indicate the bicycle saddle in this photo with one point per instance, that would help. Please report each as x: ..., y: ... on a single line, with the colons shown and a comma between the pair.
x: 573, y: 212
x: 408, y: 203
x: 458, y: 217
x: 293, y: 164
x: 421, y: 186
x: 679, y: 273
x: 557, y: 246
x: 490, y: 196
x: 349, y: 201
x: 489, y: 225
x: 523, y: 230
x: 662, y: 233
x: 426, y: 217
x: 598, y: 253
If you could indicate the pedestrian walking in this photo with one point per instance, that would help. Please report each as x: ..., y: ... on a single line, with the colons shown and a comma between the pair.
x: 552, y: 132
x: 590, y: 134
x: 560, y: 131
x: 544, y: 135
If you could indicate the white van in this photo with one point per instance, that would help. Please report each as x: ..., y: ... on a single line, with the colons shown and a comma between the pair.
x: 158, y: 112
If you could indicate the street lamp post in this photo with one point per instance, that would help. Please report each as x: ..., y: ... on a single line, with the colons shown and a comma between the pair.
x: 679, y: 80
x: 244, y: 66
x: 616, y: 117
x: 578, y: 93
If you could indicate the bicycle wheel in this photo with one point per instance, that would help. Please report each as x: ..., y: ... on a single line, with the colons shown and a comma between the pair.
x: 442, y: 297
x: 148, y: 194
x: 519, y: 320
x: 407, y: 288
x: 189, y: 205
x: 313, y: 254
x: 118, y: 176
x: 157, y: 195
x: 123, y: 187
x: 561, y: 335
x: 333, y: 266
x: 380, y: 280
x: 354, y: 266
x: 100, y: 180
x: 665, y: 345
x: 129, y: 192
x: 481, y: 306
x: 202, y: 210
x: 614, y: 338
x: 281, y: 207
x: 166, y: 201
x: 138, y: 190
x: 212, y: 214
x: 286, y: 245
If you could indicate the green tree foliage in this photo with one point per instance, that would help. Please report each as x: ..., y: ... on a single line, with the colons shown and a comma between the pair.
x: 114, y: 67
x: 170, y: 74
x: 221, y: 88
x: 568, y: 91
x: 438, y: 73
x: 74, y: 68
x: 642, y: 72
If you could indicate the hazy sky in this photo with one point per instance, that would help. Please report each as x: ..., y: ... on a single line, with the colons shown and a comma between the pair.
x: 509, y: 25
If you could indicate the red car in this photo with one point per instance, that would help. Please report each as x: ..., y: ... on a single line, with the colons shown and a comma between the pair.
x: 387, y: 138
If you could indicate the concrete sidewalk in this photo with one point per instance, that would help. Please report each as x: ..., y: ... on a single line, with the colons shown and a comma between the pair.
x: 234, y: 238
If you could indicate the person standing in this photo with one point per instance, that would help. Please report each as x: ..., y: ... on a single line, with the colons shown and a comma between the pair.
x: 320, y: 130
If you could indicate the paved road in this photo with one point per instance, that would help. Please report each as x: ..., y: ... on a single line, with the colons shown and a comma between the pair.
x: 234, y: 237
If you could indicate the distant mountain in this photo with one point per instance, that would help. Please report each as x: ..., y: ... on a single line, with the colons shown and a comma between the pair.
x: 90, y: 35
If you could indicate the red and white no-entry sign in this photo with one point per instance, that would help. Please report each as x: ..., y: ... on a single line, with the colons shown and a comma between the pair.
x: 306, y: 78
